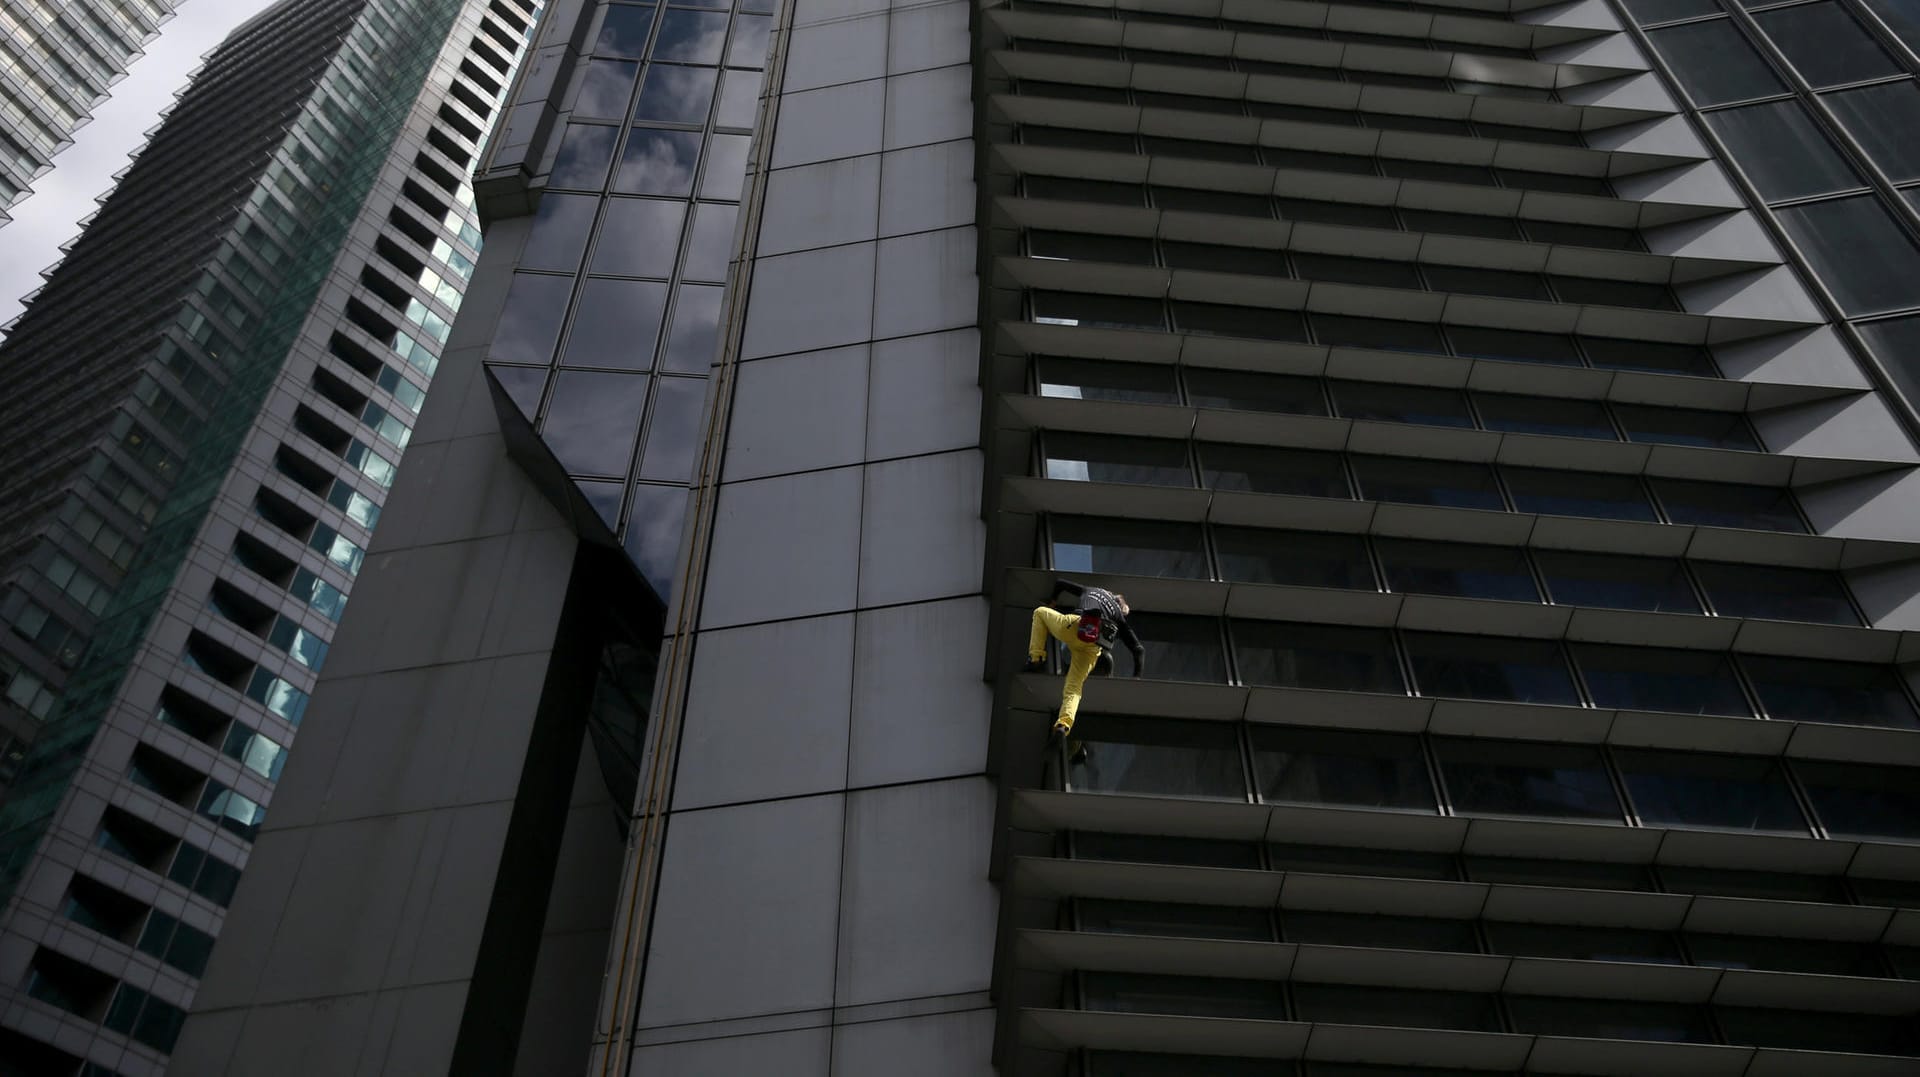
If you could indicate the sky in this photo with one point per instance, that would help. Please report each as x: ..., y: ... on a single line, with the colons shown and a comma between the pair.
x: 50, y: 216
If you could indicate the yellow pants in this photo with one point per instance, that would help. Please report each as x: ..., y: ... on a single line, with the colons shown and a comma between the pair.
x: 1065, y: 628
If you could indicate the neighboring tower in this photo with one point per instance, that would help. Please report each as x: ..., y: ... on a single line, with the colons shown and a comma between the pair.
x: 203, y: 409
x: 61, y: 59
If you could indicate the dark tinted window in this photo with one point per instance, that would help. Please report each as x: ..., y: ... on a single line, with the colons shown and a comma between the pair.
x: 1200, y: 150
x: 1729, y: 792
x: 1436, y: 171
x: 1353, y: 213
x: 1385, y: 932
x: 1198, y: 201
x: 1190, y: 996
x: 1373, y: 271
x: 1523, y: 778
x: 1583, y: 943
x: 1584, y: 235
x: 1079, y: 190
x: 1660, y: 679
x: 1255, y: 392
x: 1141, y: 756
x: 1772, y: 886
x: 1554, y: 181
x: 1219, y: 319
x: 1612, y: 581
x: 1273, y: 471
x: 1607, y: 1019
x: 1073, y: 138
x: 1312, y: 161
x: 1167, y: 919
x: 1858, y: 801
x: 1300, y: 558
x: 1127, y: 1064
x: 1387, y: 402
x: 1183, y: 648
x: 1652, y: 12
x: 640, y: 237
x: 1087, y: 309
x: 1812, y: 690
x: 1659, y: 358
x: 1817, y: 1030
x: 1354, y: 860
x: 1513, y: 345
x: 1614, y: 293
x: 1218, y: 258
x: 1781, y: 594
x: 1499, y: 282
x: 1342, y: 331
x: 1725, y: 504
x: 1340, y: 1004
x: 1142, y: 849
x: 1457, y: 484
x: 1099, y: 458
x: 1521, y: 871
x: 1086, y: 247
x: 1452, y: 568
x: 1316, y: 656
x: 1368, y: 770
x: 1127, y: 547
x: 1037, y: 88
x: 1460, y: 224
x: 1093, y: 379
x: 1578, y: 493
x: 1686, y: 426
x: 1489, y: 667
x: 1544, y: 415
x: 1782, y: 954
x: 1714, y: 63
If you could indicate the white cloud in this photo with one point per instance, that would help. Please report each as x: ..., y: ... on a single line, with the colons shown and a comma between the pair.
x: 50, y: 216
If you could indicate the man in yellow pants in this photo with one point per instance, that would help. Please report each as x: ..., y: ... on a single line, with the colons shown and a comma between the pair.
x: 1098, y: 618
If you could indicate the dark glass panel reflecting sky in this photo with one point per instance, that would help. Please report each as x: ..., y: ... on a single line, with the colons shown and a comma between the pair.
x: 726, y: 166
x: 1714, y: 63
x: 712, y: 244
x: 559, y: 233
x: 592, y: 420
x: 673, y: 94
x: 696, y: 329
x: 693, y: 37
x: 1868, y: 260
x: 672, y: 432
x: 616, y: 324
x: 624, y: 32
x: 639, y: 238
x: 530, y: 318
x: 584, y: 154
x: 1825, y: 44
x: 1885, y: 120
x: 1781, y: 150
x: 658, y: 162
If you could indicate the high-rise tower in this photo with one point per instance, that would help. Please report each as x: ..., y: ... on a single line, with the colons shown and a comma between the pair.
x: 203, y: 409
x: 60, y: 61
x: 1494, y: 412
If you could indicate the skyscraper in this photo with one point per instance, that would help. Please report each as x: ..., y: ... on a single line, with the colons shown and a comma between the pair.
x: 1496, y: 415
x: 203, y: 410
x: 60, y: 60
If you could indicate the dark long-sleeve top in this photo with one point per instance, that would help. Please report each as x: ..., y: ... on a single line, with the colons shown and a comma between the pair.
x: 1113, y: 622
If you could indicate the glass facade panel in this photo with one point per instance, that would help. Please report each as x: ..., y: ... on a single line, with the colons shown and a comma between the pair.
x: 1456, y: 484
x: 1883, y: 119
x: 1102, y: 311
x: 1127, y: 1064
x: 1382, y: 333
x: 1520, y: 778
x: 710, y: 246
x: 1140, y: 756
x: 694, y: 341
x: 1779, y: 594
x: 1299, y: 558
x: 1142, y: 849
x: 530, y: 319
x: 1316, y: 656
x: 1812, y: 690
x: 1714, y: 63
x: 1866, y: 802
x: 1217, y: 258
x: 1345, y: 1005
x: 605, y: 89
x: 1777, y: 954
x: 1863, y: 256
x: 670, y: 93
x: 673, y: 430
x: 1085, y: 247
x: 1264, y: 470
x: 1578, y: 493
x: 1825, y: 44
x: 1093, y: 379
x: 1490, y: 667
x: 1652, y: 356
x: 1611, y: 581
x: 1320, y: 766
x: 658, y: 162
x: 616, y: 324
x: 1189, y: 996
x: 592, y: 421
x: 1127, y: 547
x: 1499, y: 282
x: 1654, y: 12
x: 1255, y: 323
x: 1660, y: 679
x: 1453, y: 568
x: 640, y: 237
x: 624, y: 31
x: 1667, y: 1022
x: 1723, y: 792
x: 1373, y: 271
x: 559, y: 234
x: 1099, y: 458
x: 694, y: 37
x: 585, y: 151
x: 1782, y: 151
